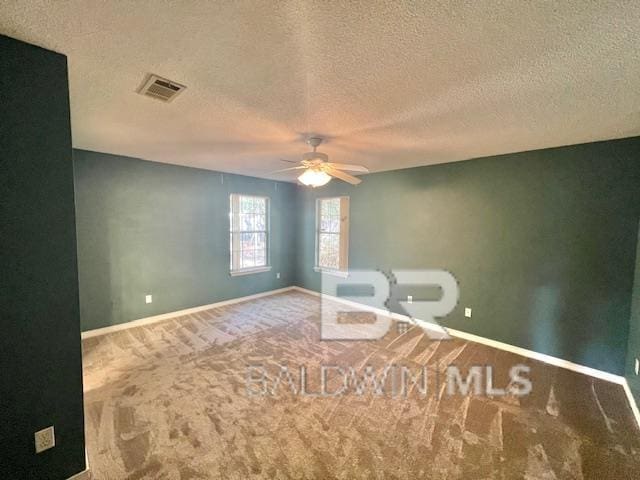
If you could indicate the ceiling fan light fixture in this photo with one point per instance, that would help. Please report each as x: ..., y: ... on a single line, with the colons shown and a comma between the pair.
x: 314, y: 178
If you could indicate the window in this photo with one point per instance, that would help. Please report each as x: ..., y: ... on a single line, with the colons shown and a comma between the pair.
x: 249, y: 234
x: 332, y: 233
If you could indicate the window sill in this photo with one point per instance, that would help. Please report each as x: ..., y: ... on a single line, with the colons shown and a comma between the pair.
x: 335, y: 273
x: 249, y: 271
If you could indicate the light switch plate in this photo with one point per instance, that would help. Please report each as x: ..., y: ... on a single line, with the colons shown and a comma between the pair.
x: 637, y: 366
x: 148, y: 298
x: 45, y: 439
x: 278, y: 275
x: 409, y: 298
x: 467, y: 312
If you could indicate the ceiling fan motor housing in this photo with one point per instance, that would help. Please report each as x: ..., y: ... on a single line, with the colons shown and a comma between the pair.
x: 314, y: 142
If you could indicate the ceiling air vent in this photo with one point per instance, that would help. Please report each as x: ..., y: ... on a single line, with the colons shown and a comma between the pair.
x: 161, y: 88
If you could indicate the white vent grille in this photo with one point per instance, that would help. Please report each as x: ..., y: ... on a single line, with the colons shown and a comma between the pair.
x: 161, y: 88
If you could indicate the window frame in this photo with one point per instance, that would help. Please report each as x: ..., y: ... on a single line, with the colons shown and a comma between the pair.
x: 236, y: 234
x: 343, y: 241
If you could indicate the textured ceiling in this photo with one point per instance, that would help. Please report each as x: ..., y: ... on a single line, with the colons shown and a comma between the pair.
x: 391, y: 84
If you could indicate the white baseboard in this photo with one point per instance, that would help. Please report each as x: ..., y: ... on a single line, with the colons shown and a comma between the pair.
x: 632, y: 401
x: 558, y: 362
x: 165, y: 316
x: 542, y: 357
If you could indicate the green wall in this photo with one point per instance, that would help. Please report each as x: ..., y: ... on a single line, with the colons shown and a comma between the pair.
x: 152, y: 228
x: 633, y: 350
x: 542, y: 243
x: 40, y: 352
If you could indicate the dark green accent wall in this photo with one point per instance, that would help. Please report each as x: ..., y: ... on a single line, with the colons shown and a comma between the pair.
x: 542, y: 243
x: 153, y: 228
x: 40, y: 351
x: 633, y: 350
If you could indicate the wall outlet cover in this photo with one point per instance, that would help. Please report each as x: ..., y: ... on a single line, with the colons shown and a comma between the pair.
x: 45, y: 439
x: 409, y: 298
x: 148, y: 298
x: 467, y: 312
x: 278, y: 275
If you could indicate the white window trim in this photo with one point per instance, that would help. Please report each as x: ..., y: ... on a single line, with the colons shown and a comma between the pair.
x: 331, y: 271
x: 249, y: 271
x: 342, y: 272
x: 263, y: 268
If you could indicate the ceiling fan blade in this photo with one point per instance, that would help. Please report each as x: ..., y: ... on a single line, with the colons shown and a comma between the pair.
x: 343, y: 176
x: 352, y: 168
x: 288, y: 161
x: 288, y: 169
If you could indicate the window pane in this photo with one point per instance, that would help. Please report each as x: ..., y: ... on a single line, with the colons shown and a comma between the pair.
x: 248, y: 258
x: 246, y: 204
x: 334, y: 206
x: 324, y: 223
x: 261, y: 205
x: 261, y: 222
x: 324, y: 207
x: 260, y: 258
x: 334, y: 224
x: 329, y: 252
x: 261, y: 241
x: 246, y: 241
x: 246, y: 222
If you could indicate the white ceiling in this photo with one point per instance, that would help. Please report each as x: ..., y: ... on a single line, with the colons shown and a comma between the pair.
x: 391, y: 84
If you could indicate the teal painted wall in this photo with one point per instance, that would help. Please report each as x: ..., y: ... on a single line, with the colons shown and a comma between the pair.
x: 542, y: 243
x: 152, y: 228
x: 633, y: 350
x: 40, y: 351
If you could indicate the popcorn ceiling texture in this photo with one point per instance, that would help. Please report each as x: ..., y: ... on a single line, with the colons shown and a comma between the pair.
x: 390, y: 84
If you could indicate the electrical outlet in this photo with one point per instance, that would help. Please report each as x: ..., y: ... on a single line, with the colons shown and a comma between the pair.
x: 148, y: 298
x: 45, y: 439
x: 278, y: 275
x: 637, y: 366
x: 409, y: 298
x: 467, y: 312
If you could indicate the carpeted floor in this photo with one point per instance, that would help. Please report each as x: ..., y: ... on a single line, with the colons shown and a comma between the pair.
x: 172, y: 401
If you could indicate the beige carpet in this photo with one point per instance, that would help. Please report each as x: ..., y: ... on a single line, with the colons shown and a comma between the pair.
x: 170, y: 401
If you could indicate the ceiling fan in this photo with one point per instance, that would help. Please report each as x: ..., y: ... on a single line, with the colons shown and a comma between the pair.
x: 318, y: 170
